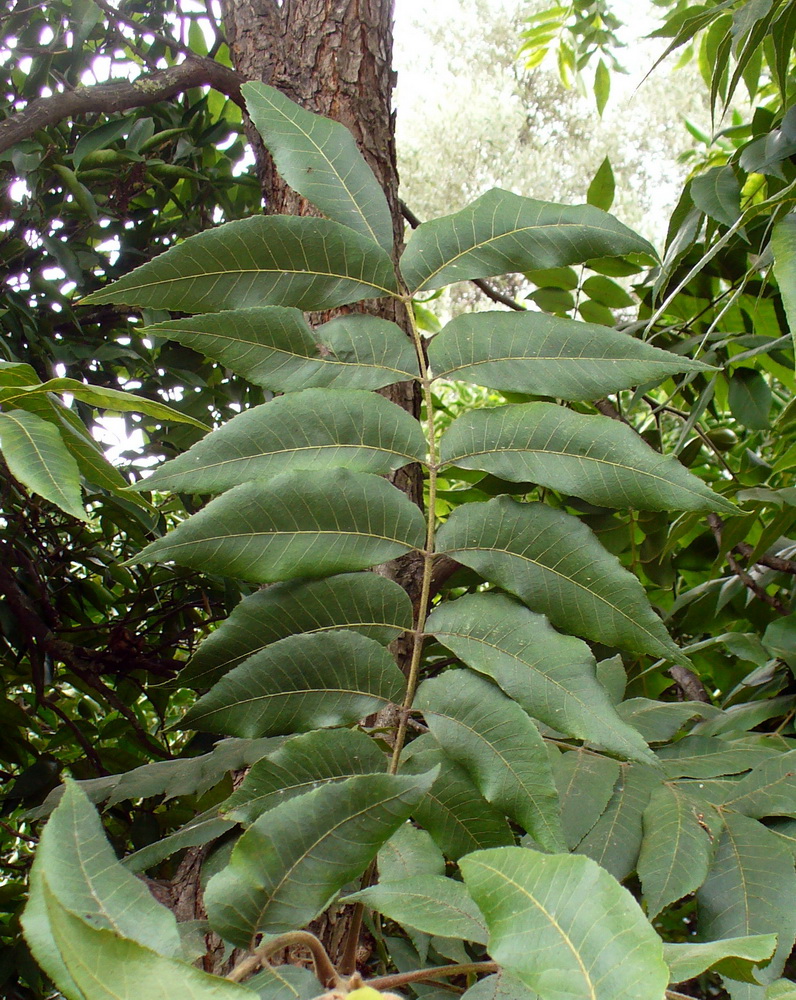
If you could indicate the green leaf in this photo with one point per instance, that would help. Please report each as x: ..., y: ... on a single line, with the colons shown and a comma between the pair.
x: 181, y: 776
x: 499, y: 746
x: 548, y: 356
x: 432, y: 904
x: 36, y: 455
x: 300, y: 683
x: 409, y: 852
x: 750, y: 399
x: 285, y: 982
x: 599, y: 460
x: 781, y: 989
x: 79, y: 866
x: 555, y: 564
x: 718, y: 194
x: 316, y: 429
x: 197, y: 832
x: 290, y: 864
x: 750, y: 888
x: 768, y: 790
x: 709, y: 757
x: 277, y: 348
x: 615, y: 839
x: 319, y: 159
x: 658, y: 721
x: 690, y: 959
x: 454, y: 812
x: 564, y: 926
x: 602, y: 90
x: 366, y: 603
x: 675, y: 851
x: 298, y: 524
x: 301, y: 764
x: 549, y: 675
x: 602, y: 188
x: 783, y: 247
x: 103, y: 966
x: 103, y: 398
x: 606, y: 292
x: 265, y: 260
x: 502, y: 232
x: 585, y: 783
x: 502, y: 986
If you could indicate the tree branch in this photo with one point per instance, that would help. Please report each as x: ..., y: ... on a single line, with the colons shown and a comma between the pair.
x: 716, y: 525
x: 119, y: 96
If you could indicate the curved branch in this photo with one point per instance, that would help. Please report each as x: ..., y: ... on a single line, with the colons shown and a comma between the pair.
x: 119, y: 96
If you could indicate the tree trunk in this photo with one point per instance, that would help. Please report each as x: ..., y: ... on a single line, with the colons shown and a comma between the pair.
x: 334, y: 57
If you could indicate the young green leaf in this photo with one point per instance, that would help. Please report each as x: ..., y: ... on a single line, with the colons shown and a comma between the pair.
x: 370, y: 604
x: 298, y: 524
x: 499, y: 746
x: 300, y: 683
x: 599, y: 460
x: 602, y: 188
x: 537, y: 906
x: 277, y: 348
x: 555, y: 564
x: 549, y: 675
x: 315, y: 429
x: 319, y: 159
x: 291, y: 863
x: 281, y: 260
x: 502, y: 232
x: 36, y: 455
x: 545, y: 355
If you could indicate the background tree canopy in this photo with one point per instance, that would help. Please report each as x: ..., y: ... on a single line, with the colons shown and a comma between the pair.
x: 575, y: 670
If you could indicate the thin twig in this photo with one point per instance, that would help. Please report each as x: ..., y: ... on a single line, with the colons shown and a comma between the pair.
x: 324, y: 969
x: 116, y: 17
x: 716, y: 525
x: 16, y: 833
x: 440, y: 972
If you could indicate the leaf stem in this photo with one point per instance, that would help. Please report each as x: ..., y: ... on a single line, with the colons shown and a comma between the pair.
x: 441, y: 971
x: 324, y: 969
x: 428, y: 555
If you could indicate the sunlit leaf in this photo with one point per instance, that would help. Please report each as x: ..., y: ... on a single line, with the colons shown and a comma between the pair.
x: 537, y: 905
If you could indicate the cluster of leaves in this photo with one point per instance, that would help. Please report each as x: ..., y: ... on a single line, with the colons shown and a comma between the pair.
x: 535, y: 773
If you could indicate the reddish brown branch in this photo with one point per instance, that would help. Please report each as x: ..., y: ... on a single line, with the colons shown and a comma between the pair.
x: 119, y: 96
x: 716, y: 525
